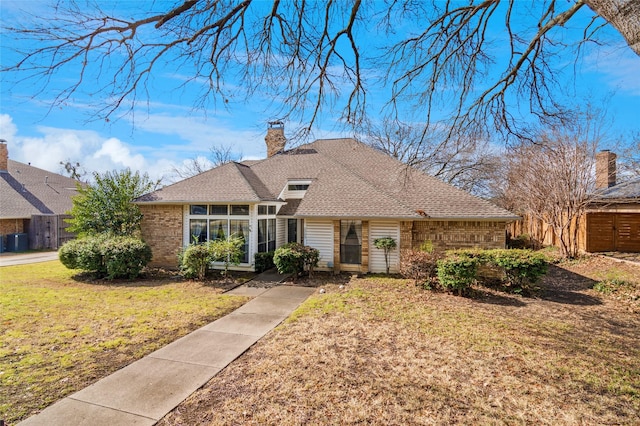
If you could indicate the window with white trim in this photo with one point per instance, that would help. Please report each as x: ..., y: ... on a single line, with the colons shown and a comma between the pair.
x: 219, y: 221
x: 266, y: 228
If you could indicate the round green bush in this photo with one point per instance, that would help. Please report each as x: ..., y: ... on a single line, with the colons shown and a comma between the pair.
x: 106, y: 256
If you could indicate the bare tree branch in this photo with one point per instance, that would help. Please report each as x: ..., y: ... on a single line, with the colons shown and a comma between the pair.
x: 310, y: 57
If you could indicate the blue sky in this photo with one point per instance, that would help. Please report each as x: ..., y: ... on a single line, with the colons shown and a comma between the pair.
x: 167, y: 130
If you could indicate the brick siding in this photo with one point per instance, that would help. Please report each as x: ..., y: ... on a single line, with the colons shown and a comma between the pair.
x: 162, y: 230
x: 447, y: 235
x: 12, y: 226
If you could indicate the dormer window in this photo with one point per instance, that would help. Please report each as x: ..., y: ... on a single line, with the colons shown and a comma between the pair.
x: 295, y: 189
x: 298, y: 186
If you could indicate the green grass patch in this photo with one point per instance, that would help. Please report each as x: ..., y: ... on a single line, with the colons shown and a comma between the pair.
x: 58, y: 335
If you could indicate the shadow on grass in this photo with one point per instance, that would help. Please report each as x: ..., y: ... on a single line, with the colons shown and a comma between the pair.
x: 566, y: 287
x: 499, y: 299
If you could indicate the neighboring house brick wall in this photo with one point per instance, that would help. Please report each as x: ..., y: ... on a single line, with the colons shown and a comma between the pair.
x: 13, y: 226
x: 162, y: 230
x: 456, y: 234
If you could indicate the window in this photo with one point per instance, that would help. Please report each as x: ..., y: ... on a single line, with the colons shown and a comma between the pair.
x: 292, y: 230
x: 198, y: 209
x: 218, y: 229
x: 240, y: 229
x: 198, y: 230
x: 216, y: 210
x: 215, y: 227
x: 298, y: 187
x: 266, y: 235
x: 265, y: 210
x: 239, y: 210
x: 350, y: 241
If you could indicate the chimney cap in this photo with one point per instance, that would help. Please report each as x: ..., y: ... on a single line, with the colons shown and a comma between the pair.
x: 276, y: 124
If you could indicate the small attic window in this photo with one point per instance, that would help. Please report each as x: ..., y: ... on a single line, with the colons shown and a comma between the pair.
x: 298, y: 187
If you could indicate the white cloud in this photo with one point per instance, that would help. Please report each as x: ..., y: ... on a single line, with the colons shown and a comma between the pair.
x: 115, y: 151
x: 201, y: 134
x: 93, y: 151
x: 619, y: 66
x: 8, y: 130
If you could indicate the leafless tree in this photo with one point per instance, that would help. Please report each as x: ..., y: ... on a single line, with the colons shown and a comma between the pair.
x: 553, y: 179
x: 74, y: 169
x: 309, y: 56
x: 629, y: 160
x: 218, y: 155
x: 466, y: 162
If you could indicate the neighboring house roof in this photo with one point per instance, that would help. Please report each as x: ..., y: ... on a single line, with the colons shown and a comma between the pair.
x: 26, y: 190
x: 623, y: 192
x: 348, y: 179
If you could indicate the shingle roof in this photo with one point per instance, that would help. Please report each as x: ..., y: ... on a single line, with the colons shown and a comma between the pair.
x: 26, y: 190
x: 349, y: 179
x: 226, y: 183
x: 627, y: 191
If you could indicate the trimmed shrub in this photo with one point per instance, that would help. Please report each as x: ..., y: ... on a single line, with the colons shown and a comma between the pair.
x: 106, y: 256
x: 522, y: 268
x: 522, y: 241
x: 84, y: 253
x: 264, y: 261
x: 124, y: 257
x: 420, y: 266
x: 292, y: 258
x: 387, y: 244
x: 194, y: 261
x: 311, y: 258
x: 289, y: 259
x: 457, y: 271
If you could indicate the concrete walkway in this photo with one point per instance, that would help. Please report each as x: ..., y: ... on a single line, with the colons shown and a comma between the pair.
x: 145, y: 391
x: 10, y: 259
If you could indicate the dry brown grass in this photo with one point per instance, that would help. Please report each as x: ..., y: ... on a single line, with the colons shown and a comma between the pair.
x: 59, y: 333
x: 382, y: 351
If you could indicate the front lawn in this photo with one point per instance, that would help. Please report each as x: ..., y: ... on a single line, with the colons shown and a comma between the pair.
x: 381, y: 351
x: 58, y: 334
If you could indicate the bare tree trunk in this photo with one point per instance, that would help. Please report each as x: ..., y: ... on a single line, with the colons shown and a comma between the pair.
x: 623, y: 15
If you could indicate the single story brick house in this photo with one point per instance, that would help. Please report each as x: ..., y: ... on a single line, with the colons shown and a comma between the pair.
x: 33, y: 203
x: 336, y: 195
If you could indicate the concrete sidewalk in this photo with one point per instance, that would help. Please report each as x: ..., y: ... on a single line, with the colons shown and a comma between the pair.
x: 10, y: 259
x: 145, y: 391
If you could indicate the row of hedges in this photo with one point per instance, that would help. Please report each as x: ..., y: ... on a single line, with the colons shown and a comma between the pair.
x: 515, y: 271
x: 106, y: 256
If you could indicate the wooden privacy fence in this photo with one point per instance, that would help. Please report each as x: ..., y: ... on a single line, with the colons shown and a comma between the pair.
x: 48, y: 231
x: 541, y: 234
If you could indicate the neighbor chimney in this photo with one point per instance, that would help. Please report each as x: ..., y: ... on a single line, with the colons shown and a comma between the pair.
x: 605, y: 169
x: 4, y: 156
x: 275, y: 138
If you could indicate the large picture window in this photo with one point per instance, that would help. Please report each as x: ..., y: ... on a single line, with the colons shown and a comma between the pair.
x: 217, y: 222
x: 351, y: 242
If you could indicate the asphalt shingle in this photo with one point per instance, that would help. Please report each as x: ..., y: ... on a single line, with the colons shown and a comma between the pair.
x: 26, y: 190
x: 349, y: 179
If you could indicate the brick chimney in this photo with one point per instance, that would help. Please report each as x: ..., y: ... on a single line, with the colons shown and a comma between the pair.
x: 275, y: 139
x: 4, y: 156
x: 605, y: 169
